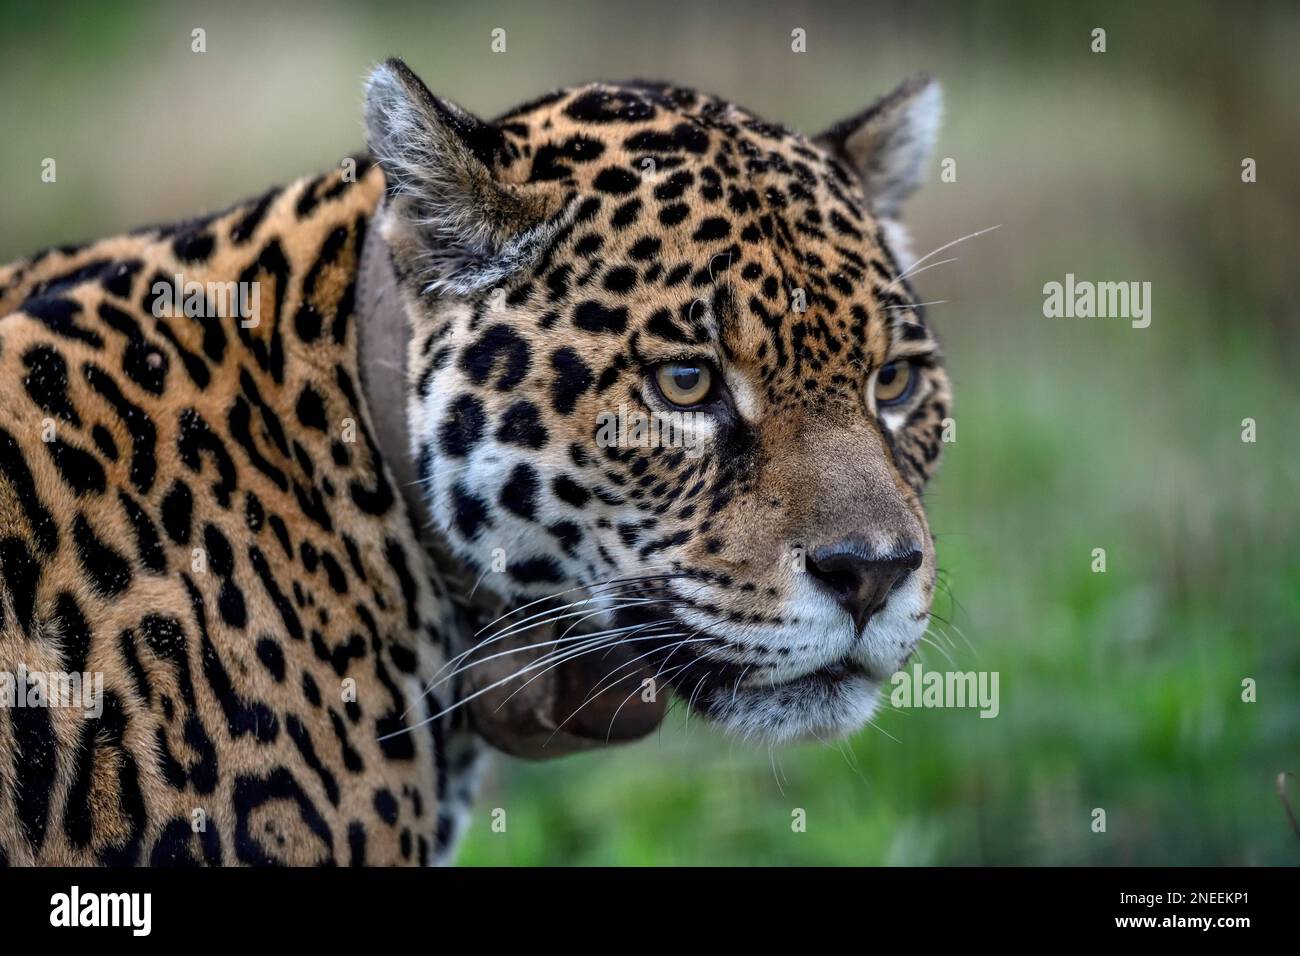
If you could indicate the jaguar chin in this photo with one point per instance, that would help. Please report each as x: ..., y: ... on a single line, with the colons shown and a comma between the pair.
x: 832, y: 701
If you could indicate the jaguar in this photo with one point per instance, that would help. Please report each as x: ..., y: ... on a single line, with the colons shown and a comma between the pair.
x: 320, y: 548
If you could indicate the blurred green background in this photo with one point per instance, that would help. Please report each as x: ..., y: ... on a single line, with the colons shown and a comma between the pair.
x: 1119, y: 690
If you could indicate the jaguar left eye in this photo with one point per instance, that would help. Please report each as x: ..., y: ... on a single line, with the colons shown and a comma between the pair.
x: 894, y: 383
x: 684, y: 383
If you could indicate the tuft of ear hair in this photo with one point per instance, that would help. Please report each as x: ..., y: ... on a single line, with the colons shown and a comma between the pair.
x: 889, y: 143
x: 450, y: 222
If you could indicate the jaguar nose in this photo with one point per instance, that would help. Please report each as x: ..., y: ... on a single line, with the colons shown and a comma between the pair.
x: 860, y: 580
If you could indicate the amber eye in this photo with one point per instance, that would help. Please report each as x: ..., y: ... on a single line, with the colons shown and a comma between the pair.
x: 684, y: 383
x: 894, y: 383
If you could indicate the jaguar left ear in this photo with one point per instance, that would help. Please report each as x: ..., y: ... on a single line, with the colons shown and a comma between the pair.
x: 451, y: 222
x: 890, y: 142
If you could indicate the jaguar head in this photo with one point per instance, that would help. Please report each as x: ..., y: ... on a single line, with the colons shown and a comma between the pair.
x: 667, y: 375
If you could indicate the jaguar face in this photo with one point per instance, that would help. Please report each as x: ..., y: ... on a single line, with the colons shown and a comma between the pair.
x: 666, y: 369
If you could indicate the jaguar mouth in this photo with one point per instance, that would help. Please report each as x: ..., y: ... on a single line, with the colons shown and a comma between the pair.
x: 826, y: 676
x: 826, y: 701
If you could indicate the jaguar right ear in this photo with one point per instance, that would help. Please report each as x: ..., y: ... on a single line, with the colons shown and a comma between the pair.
x: 452, y: 224
x: 889, y: 143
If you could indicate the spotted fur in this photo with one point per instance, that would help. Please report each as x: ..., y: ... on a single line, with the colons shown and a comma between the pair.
x: 200, y: 511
